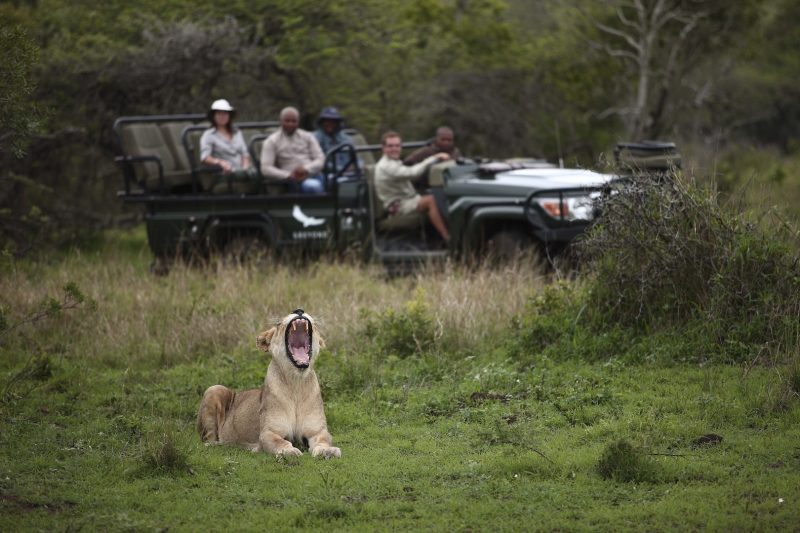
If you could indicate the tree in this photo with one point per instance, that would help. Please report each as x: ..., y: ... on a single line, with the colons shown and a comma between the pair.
x: 664, y: 44
x: 20, y: 115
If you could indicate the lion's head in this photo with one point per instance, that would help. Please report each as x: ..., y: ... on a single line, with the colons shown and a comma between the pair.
x: 293, y: 339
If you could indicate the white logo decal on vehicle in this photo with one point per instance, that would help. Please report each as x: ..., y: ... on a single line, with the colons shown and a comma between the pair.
x: 304, y: 219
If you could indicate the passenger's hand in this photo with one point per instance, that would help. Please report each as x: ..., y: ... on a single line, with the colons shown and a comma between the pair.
x: 299, y: 174
x: 225, y: 166
x: 443, y: 156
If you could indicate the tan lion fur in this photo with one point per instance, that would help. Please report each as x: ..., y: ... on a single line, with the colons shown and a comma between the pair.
x: 286, y: 410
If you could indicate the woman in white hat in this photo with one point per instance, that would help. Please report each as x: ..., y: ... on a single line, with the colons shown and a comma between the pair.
x: 223, y: 146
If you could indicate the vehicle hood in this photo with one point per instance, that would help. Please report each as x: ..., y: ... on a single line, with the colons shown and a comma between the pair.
x: 520, y: 182
x: 551, y: 178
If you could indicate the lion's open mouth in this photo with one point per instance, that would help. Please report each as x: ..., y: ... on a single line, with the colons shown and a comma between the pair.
x: 298, y: 342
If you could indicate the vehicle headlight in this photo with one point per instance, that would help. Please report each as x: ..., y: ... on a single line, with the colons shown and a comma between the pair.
x: 569, y: 208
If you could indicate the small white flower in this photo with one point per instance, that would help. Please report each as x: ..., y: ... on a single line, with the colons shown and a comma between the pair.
x: 517, y: 475
x: 780, y: 500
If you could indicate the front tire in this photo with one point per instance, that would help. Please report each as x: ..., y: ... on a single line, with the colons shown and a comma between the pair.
x: 511, y: 246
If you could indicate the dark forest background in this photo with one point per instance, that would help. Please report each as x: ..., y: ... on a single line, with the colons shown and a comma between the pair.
x: 513, y: 78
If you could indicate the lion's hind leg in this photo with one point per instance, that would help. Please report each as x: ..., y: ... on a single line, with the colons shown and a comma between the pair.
x: 216, y: 401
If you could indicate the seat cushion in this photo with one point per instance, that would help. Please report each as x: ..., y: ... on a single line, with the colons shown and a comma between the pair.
x: 147, y: 139
x: 367, y: 158
x: 172, y: 135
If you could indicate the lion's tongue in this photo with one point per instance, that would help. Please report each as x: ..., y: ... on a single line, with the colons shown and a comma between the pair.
x: 299, y: 353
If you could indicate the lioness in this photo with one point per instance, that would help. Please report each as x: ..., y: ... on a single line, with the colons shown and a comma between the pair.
x: 286, y: 409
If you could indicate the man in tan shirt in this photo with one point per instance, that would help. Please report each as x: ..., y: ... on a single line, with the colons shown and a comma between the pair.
x: 394, y: 187
x: 293, y: 154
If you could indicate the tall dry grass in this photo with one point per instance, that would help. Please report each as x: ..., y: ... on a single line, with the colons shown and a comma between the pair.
x: 195, y: 312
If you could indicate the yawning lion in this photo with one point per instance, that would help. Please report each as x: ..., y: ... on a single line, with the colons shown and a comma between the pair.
x: 287, y: 409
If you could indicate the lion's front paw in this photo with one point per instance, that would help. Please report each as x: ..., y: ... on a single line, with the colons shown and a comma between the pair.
x: 326, y: 452
x: 291, y: 451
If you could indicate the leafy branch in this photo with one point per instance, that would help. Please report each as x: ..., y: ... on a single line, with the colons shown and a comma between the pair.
x: 72, y: 298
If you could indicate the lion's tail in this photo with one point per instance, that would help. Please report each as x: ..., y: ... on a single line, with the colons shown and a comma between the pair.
x: 216, y: 401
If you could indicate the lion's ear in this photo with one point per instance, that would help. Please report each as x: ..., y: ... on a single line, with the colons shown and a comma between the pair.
x: 264, y: 338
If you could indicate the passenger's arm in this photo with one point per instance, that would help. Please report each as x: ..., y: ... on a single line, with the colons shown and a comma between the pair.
x: 399, y: 171
x: 268, y: 167
x: 206, y: 148
x: 418, y: 155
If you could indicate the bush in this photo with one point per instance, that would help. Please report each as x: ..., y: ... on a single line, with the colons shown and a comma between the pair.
x: 162, y: 453
x: 404, y: 332
x: 666, y: 254
x: 554, y: 325
x: 622, y: 462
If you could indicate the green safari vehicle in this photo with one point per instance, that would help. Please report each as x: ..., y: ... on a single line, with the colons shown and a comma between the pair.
x: 493, y: 208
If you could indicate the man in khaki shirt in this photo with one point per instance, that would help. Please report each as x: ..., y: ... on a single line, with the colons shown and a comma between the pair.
x: 293, y: 154
x: 394, y: 187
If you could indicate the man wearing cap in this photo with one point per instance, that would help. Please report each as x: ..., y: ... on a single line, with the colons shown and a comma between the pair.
x: 223, y: 146
x: 329, y: 134
x: 293, y: 154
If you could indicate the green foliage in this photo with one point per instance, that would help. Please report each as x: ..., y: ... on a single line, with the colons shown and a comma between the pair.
x: 667, y: 254
x: 752, y: 177
x: 103, y: 435
x: 550, y: 315
x: 37, y: 370
x: 49, y: 307
x: 673, y: 277
x: 542, y: 69
x: 656, y: 45
x: 622, y: 462
x: 408, y: 331
x: 21, y: 115
x: 162, y: 452
x: 554, y: 325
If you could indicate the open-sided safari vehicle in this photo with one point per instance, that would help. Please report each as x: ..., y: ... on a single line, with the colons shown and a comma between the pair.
x: 492, y: 207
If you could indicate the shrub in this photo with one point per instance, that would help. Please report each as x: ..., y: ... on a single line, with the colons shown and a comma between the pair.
x: 553, y: 325
x: 549, y: 315
x: 665, y: 254
x: 404, y: 332
x: 162, y: 453
x: 620, y: 461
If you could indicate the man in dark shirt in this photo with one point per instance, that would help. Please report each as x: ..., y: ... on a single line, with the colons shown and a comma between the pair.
x: 444, y: 142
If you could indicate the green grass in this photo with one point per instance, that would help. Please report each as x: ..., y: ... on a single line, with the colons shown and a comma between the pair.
x: 98, y: 406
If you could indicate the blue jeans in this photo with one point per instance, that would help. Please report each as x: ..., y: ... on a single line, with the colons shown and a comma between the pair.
x: 310, y: 185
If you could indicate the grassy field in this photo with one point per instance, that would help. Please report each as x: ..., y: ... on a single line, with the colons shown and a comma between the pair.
x: 441, y: 426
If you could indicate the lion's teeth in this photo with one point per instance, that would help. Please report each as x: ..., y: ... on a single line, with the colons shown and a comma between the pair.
x: 294, y: 326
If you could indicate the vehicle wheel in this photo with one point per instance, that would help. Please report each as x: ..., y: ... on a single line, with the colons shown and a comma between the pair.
x: 247, y: 250
x: 511, y: 246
